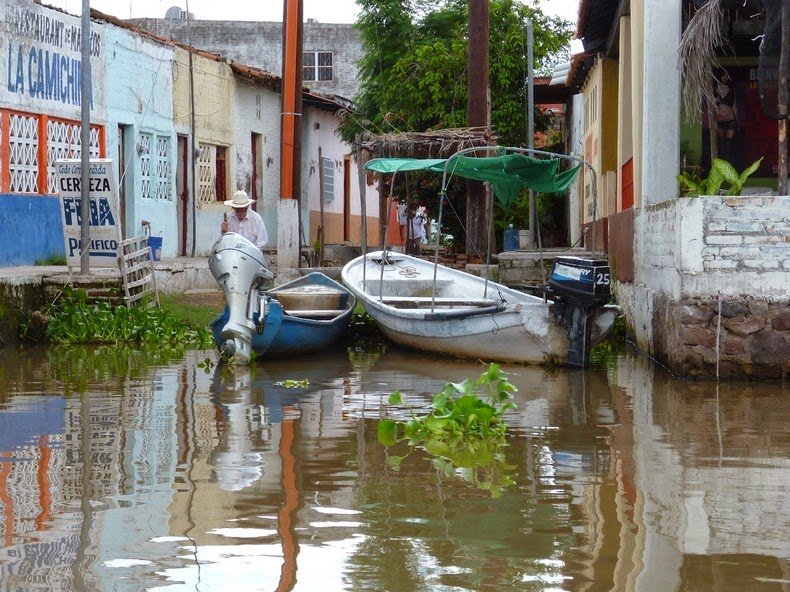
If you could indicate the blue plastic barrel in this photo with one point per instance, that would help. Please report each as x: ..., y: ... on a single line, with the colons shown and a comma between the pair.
x: 510, y: 242
x: 155, y: 242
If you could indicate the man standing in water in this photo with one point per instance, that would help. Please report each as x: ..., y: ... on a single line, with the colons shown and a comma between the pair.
x: 245, y: 221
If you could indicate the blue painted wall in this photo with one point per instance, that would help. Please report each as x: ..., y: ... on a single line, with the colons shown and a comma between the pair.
x: 140, y: 98
x: 30, y: 229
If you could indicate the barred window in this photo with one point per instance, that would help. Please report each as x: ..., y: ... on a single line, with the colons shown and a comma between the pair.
x: 163, y: 168
x: 34, y: 142
x: 144, y: 152
x: 23, y: 153
x: 328, y: 180
x: 64, y: 141
x: 317, y: 66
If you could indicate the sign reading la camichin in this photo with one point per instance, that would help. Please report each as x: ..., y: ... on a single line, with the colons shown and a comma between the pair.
x: 105, y: 232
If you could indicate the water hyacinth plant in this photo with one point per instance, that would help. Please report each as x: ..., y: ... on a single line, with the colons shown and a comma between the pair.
x: 75, y: 320
x: 464, y: 432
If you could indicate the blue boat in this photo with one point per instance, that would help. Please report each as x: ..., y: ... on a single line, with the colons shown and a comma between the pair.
x: 301, y: 316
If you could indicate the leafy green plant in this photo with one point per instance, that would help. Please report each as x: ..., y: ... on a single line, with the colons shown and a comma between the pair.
x: 51, y: 260
x: 721, y: 172
x: 464, y: 430
x: 73, y: 319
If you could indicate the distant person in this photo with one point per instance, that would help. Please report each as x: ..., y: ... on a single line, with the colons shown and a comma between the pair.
x: 726, y: 115
x: 417, y: 231
x: 245, y: 221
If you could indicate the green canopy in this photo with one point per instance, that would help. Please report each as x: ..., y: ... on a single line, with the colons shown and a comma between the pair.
x: 507, y: 173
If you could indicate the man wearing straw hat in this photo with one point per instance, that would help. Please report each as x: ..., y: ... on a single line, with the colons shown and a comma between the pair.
x: 245, y: 221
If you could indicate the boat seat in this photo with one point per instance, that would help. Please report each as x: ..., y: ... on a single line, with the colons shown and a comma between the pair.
x: 442, y: 302
x: 315, y: 314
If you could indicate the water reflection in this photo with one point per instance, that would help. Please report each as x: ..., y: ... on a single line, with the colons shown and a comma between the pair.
x: 130, y: 471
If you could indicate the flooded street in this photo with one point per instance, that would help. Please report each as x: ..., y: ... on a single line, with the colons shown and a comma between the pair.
x: 133, y: 471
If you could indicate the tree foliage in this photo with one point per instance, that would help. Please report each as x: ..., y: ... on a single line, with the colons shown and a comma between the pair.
x: 413, y: 76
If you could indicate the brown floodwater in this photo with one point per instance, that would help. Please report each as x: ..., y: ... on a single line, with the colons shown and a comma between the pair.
x: 125, y: 470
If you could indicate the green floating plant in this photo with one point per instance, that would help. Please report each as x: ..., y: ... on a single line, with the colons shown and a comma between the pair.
x: 464, y: 431
x: 73, y: 319
x: 293, y: 384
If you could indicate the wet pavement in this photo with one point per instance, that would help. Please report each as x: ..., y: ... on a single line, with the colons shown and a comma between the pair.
x: 127, y: 470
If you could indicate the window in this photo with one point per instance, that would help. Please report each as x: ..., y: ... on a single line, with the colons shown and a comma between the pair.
x: 328, y: 179
x: 317, y: 66
x: 34, y: 142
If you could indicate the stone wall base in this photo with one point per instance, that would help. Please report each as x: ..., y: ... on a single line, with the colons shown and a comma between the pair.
x: 753, y: 337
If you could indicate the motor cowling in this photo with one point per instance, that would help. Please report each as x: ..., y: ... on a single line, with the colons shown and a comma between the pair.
x: 239, y: 268
x: 579, y: 286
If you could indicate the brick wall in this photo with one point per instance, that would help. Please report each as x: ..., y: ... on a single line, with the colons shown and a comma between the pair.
x: 691, y: 254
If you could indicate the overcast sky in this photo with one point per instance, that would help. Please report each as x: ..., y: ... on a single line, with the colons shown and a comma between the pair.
x: 327, y: 11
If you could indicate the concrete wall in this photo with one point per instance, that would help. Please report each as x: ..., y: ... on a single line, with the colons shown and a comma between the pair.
x: 321, y: 130
x: 260, y: 45
x: 214, y: 126
x: 140, y: 98
x: 41, y: 72
x: 257, y: 111
x: 701, y: 253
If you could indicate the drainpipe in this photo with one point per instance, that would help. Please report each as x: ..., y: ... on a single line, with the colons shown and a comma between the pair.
x: 193, y: 152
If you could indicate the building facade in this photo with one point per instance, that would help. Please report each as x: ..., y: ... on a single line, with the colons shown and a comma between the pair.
x: 185, y: 128
x: 705, y: 280
x: 330, y: 55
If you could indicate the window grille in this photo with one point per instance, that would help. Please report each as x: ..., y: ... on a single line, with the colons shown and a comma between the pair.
x: 63, y: 141
x: 144, y: 150
x: 23, y: 153
x: 328, y: 174
x: 163, y: 168
x: 317, y: 65
x: 206, y: 173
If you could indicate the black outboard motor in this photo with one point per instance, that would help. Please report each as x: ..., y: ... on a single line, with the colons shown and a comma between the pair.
x: 579, y: 286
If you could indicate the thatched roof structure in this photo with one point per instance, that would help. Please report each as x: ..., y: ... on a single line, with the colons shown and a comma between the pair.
x: 439, y: 143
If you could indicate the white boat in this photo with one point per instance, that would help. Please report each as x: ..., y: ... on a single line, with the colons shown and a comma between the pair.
x: 434, y: 308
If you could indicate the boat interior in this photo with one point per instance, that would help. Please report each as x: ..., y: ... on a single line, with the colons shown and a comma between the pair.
x: 418, y: 294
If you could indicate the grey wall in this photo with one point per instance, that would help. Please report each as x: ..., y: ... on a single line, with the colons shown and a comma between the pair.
x: 259, y: 44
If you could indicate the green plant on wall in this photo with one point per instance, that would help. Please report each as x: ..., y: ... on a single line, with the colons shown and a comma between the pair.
x: 721, y: 173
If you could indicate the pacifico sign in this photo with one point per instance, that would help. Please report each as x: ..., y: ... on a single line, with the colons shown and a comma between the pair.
x: 104, y: 227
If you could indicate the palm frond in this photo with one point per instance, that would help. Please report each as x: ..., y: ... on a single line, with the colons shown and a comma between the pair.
x: 697, y: 57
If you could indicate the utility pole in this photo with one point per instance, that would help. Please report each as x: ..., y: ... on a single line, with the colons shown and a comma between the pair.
x: 533, y: 207
x: 288, y: 210
x: 85, y: 138
x: 477, y: 115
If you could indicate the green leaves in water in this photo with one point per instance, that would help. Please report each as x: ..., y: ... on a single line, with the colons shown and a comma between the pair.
x: 75, y: 320
x: 293, y: 384
x: 464, y: 431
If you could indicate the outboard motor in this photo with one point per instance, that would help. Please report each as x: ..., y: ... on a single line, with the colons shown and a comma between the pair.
x: 580, y: 286
x: 239, y: 267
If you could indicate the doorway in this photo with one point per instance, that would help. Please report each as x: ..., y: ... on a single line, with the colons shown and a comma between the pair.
x: 125, y: 177
x: 182, y: 193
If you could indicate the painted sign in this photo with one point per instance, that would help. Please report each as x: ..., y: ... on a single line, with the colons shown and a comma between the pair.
x: 40, y: 51
x: 105, y: 232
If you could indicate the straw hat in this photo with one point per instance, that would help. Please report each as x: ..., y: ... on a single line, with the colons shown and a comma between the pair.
x: 240, y: 200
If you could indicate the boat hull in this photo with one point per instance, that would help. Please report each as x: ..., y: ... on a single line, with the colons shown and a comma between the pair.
x: 464, y: 317
x: 284, y: 334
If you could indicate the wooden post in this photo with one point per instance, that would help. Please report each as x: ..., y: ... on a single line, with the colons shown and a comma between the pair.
x: 477, y: 116
x: 362, y: 193
x: 321, y: 203
x: 784, y: 99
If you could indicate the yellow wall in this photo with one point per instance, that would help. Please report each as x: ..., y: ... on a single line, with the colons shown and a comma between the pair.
x: 214, y: 88
x: 637, y: 84
x: 600, y: 95
x: 333, y: 233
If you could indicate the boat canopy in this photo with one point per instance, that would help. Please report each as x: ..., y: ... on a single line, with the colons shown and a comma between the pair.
x: 507, y: 173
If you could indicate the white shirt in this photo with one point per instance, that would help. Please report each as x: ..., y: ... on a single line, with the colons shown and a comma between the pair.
x: 250, y: 227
